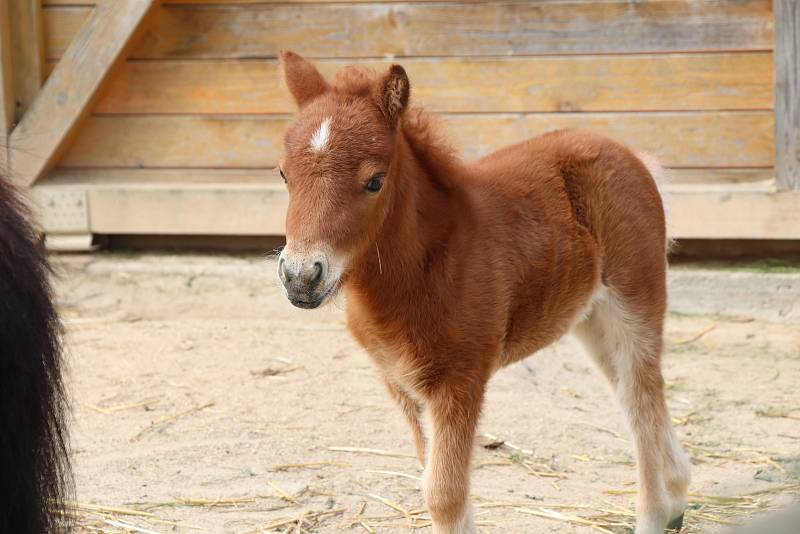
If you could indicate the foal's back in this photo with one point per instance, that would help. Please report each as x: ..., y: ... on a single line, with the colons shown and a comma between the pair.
x: 569, y: 212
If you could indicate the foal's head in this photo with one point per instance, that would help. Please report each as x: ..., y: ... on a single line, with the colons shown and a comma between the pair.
x: 337, y: 164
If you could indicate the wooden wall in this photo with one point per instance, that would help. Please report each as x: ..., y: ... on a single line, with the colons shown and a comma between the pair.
x: 199, y: 99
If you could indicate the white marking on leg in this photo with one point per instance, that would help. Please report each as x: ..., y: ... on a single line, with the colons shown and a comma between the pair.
x: 319, y: 140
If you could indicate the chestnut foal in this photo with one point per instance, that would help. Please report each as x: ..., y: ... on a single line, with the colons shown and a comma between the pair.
x: 452, y: 271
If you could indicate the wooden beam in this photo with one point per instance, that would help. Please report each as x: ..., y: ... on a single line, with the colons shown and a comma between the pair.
x: 641, y: 82
x: 787, y: 93
x: 690, y: 139
x: 72, y: 88
x: 182, y: 202
x: 6, y: 86
x: 253, y: 202
x: 27, y: 42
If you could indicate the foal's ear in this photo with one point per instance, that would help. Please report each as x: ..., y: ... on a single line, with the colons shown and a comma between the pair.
x: 392, y: 93
x: 302, y: 78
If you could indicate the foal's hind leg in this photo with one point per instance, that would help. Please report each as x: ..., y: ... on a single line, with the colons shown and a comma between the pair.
x: 628, y: 352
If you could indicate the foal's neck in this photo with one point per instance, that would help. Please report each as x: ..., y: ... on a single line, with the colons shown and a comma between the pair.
x: 427, y: 208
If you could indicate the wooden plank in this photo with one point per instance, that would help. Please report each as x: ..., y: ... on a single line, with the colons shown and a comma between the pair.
x: 159, y: 203
x: 489, y: 28
x: 787, y: 93
x: 61, y: 25
x: 177, y: 141
x: 71, y: 90
x: 164, y: 203
x: 696, y: 139
x: 721, y: 176
x: 27, y: 58
x: 734, y: 214
x: 576, y: 83
x: 759, y: 178
x: 7, y: 103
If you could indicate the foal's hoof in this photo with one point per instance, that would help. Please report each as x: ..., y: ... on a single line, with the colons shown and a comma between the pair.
x: 676, y: 524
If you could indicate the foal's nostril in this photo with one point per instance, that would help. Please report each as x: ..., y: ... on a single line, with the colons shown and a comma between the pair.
x: 283, y: 272
x: 315, y: 280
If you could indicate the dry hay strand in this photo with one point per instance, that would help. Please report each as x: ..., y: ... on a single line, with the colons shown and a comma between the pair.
x: 127, y: 527
x: 413, y: 518
x: 747, y: 455
x: 695, y: 337
x: 706, y: 509
x: 547, y: 513
x: 99, y: 508
x: 309, y: 465
x: 378, y: 452
x: 774, y: 412
x: 122, y: 407
x: 304, y: 522
x: 169, y: 419
x: 394, y: 474
x: 285, y: 496
x: 538, y: 467
x: 213, y: 503
x: 271, y: 371
x: 355, y: 519
x: 95, y: 517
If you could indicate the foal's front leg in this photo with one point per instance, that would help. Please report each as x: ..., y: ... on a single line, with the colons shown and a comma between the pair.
x: 453, y: 411
x: 412, y: 410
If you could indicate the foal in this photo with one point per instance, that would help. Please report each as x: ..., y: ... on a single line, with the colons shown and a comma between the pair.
x: 452, y: 271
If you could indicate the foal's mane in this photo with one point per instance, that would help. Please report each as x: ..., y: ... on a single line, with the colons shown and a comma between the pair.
x: 419, y: 127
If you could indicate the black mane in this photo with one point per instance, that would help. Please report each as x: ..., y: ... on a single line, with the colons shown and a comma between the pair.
x: 34, y: 467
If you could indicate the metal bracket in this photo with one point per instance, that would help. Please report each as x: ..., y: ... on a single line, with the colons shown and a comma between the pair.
x: 63, y: 211
x: 64, y: 218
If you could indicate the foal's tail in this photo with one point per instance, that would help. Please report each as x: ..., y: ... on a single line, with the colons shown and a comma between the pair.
x: 35, y: 475
x: 659, y: 175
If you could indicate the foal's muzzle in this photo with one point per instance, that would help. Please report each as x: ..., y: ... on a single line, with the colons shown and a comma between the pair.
x: 303, y: 280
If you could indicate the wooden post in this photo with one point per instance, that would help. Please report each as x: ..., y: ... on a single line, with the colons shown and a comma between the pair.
x: 27, y: 45
x: 6, y: 87
x: 73, y: 86
x: 787, y: 93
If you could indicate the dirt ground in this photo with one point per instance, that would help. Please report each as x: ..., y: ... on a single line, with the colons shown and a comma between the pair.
x: 203, y: 402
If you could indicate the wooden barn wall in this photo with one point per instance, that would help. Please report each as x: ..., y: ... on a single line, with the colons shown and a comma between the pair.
x: 690, y: 81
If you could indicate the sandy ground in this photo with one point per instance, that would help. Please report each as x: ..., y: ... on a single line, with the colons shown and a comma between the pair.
x: 203, y: 402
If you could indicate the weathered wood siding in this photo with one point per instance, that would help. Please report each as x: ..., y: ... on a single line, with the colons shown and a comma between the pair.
x: 690, y: 81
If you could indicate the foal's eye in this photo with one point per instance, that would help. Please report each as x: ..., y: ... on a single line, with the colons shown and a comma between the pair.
x: 375, y: 183
x: 282, y: 175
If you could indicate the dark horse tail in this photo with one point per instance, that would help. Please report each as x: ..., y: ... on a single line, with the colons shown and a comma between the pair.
x: 34, y: 467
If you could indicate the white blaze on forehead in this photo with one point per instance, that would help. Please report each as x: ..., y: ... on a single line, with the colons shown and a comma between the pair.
x: 319, y: 141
